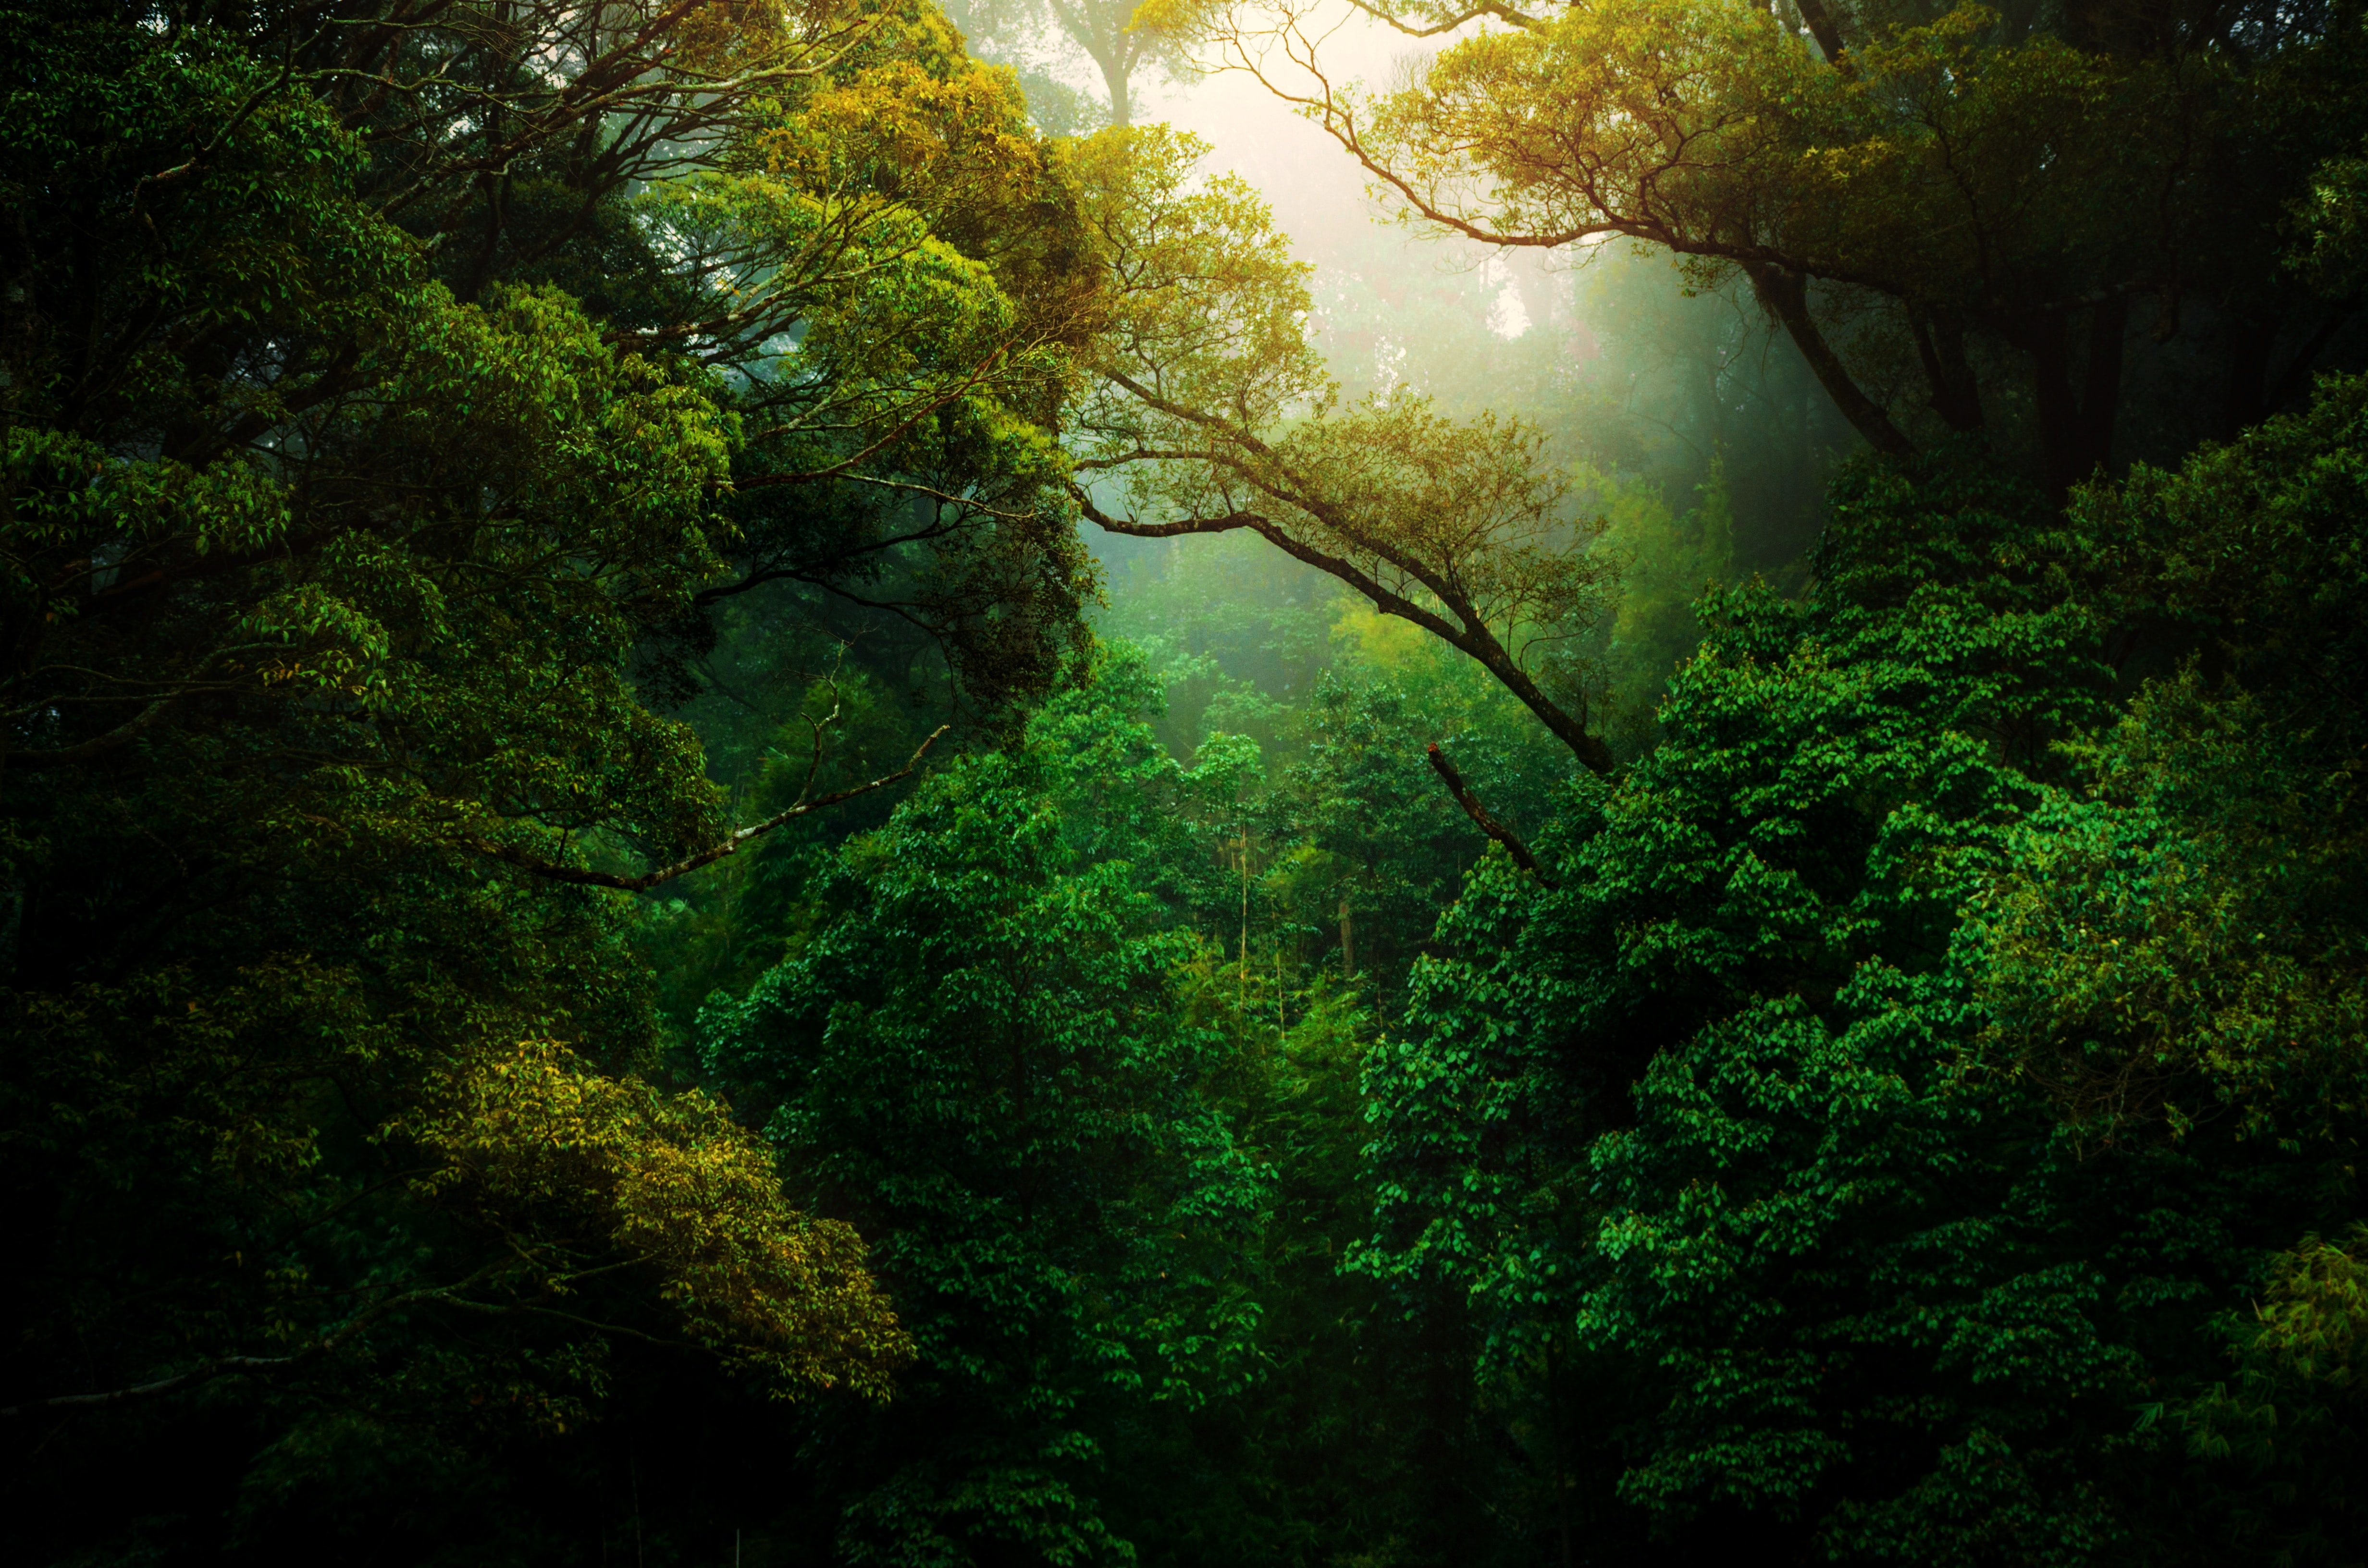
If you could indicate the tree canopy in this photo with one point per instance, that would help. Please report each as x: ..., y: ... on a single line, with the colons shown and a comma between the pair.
x: 747, y: 807
x: 1952, y: 211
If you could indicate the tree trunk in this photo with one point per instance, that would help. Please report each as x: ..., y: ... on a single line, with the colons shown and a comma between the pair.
x: 2076, y: 430
x: 2050, y: 387
x: 2248, y: 375
x: 1941, y: 346
x: 1822, y: 29
x: 2100, y: 396
x: 1114, y: 78
x: 1786, y: 297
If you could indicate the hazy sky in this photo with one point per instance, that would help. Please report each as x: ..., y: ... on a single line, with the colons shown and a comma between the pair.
x: 1317, y: 190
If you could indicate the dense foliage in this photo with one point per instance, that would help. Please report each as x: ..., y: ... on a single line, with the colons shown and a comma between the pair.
x: 618, y: 940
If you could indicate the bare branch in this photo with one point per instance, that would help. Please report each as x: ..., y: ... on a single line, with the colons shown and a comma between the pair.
x: 226, y: 1366
x: 1480, y: 817
x: 221, y: 1366
x: 582, y: 877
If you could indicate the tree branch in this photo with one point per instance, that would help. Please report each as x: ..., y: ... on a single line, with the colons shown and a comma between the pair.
x: 220, y: 1366
x: 1822, y: 29
x: 1480, y: 817
x: 1472, y: 639
x: 1786, y: 295
x: 582, y: 877
x: 224, y: 1365
x: 98, y: 745
x: 1266, y: 528
x: 1494, y: 9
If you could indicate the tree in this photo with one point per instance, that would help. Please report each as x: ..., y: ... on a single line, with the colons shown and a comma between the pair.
x: 986, y: 1061
x: 1874, y: 1100
x: 1207, y: 411
x: 1103, y: 30
x: 1384, y: 847
x: 1968, y: 190
x: 342, y: 547
x: 1667, y: 561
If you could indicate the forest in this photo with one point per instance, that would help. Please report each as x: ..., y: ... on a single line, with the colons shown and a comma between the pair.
x: 1201, y: 783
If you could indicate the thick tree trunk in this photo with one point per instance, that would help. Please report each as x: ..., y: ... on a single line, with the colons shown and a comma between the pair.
x: 1821, y: 27
x: 2248, y: 375
x: 2100, y: 395
x: 2059, y: 412
x: 1114, y: 78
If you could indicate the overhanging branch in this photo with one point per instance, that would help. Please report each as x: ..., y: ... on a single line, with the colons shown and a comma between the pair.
x: 1473, y: 638
x: 98, y: 745
x: 1323, y: 561
x: 227, y: 1366
x: 1491, y: 8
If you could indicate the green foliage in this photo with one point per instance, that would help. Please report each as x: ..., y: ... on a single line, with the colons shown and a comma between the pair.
x: 1668, y: 562
x: 1240, y: 638
x: 2331, y: 216
x: 340, y: 558
x: 984, y: 1062
x: 1906, y: 1109
x: 1948, y: 207
x: 1861, y: 1097
x: 1382, y: 846
x: 681, y: 1187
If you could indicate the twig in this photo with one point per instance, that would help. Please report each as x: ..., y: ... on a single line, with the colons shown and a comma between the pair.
x: 205, y: 1373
